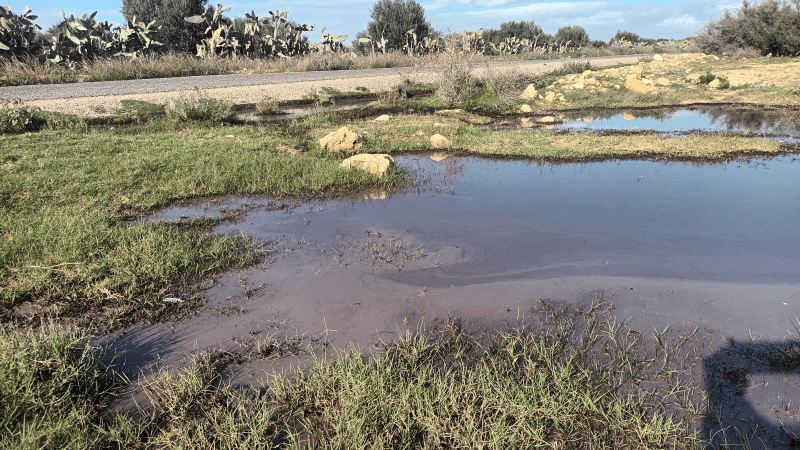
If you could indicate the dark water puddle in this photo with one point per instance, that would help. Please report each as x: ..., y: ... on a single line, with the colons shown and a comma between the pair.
x: 715, y: 246
x: 289, y: 112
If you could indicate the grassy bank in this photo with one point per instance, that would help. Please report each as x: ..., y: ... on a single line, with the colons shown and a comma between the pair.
x: 581, y: 381
x: 71, y: 243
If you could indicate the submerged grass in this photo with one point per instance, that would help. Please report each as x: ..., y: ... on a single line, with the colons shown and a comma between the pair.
x: 566, y: 378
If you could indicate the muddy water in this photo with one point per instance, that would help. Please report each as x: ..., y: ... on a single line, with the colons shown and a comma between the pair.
x: 669, y: 244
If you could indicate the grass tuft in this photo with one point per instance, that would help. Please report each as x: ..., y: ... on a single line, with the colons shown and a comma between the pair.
x: 52, y: 388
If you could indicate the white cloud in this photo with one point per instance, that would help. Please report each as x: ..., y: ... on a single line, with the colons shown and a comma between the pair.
x: 686, y: 22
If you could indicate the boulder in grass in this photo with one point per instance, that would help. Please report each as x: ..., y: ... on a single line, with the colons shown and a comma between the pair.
x: 635, y: 85
x: 383, y: 118
x: 529, y: 94
x: 439, y: 141
x: 374, y: 164
x: 341, y: 140
x: 525, y: 108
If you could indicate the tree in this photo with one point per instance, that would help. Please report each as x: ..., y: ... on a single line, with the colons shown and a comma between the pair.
x: 629, y: 36
x: 176, y: 34
x: 519, y: 30
x: 392, y: 19
x: 577, y: 36
x: 768, y: 27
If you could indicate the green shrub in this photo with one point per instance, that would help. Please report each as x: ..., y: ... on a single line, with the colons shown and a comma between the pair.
x: 707, y: 78
x: 768, y: 27
x: 724, y: 83
x: 203, y: 109
x: 16, y: 118
x: 142, y: 111
x: 518, y: 30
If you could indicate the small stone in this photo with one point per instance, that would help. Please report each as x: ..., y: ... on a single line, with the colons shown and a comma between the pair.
x: 529, y: 94
x: 383, y: 118
x: 550, y: 97
x: 637, y: 71
x: 578, y: 86
x: 341, y: 140
x: 636, y: 86
x: 438, y: 125
x: 439, y: 141
x: 603, y: 89
x: 229, y: 136
x: 586, y: 73
x: 525, y: 122
x: 658, y: 57
x: 546, y: 119
x: 714, y: 83
x: 374, y: 164
x: 526, y: 108
x: 662, y: 82
x: 628, y: 116
x: 591, y: 82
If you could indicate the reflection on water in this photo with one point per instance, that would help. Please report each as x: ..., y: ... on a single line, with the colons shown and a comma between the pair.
x: 678, y: 120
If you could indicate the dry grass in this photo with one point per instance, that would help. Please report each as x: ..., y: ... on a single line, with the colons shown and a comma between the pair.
x: 24, y: 72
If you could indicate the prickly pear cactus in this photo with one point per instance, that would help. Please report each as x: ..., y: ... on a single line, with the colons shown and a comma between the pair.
x: 18, y: 33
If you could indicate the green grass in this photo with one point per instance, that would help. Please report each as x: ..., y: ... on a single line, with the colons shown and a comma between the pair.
x: 52, y: 389
x: 69, y: 199
x: 411, y: 133
x: 567, y: 377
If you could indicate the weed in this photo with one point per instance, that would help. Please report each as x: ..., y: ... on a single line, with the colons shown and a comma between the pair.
x: 576, y: 66
x: 16, y: 117
x: 203, y: 109
x: 268, y: 107
x: 142, y: 111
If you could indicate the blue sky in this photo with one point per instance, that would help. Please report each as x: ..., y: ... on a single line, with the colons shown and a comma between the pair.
x: 601, y: 19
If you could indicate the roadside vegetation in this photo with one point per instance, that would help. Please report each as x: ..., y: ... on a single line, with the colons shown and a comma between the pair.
x: 193, y: 38
x: 170, y: 39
